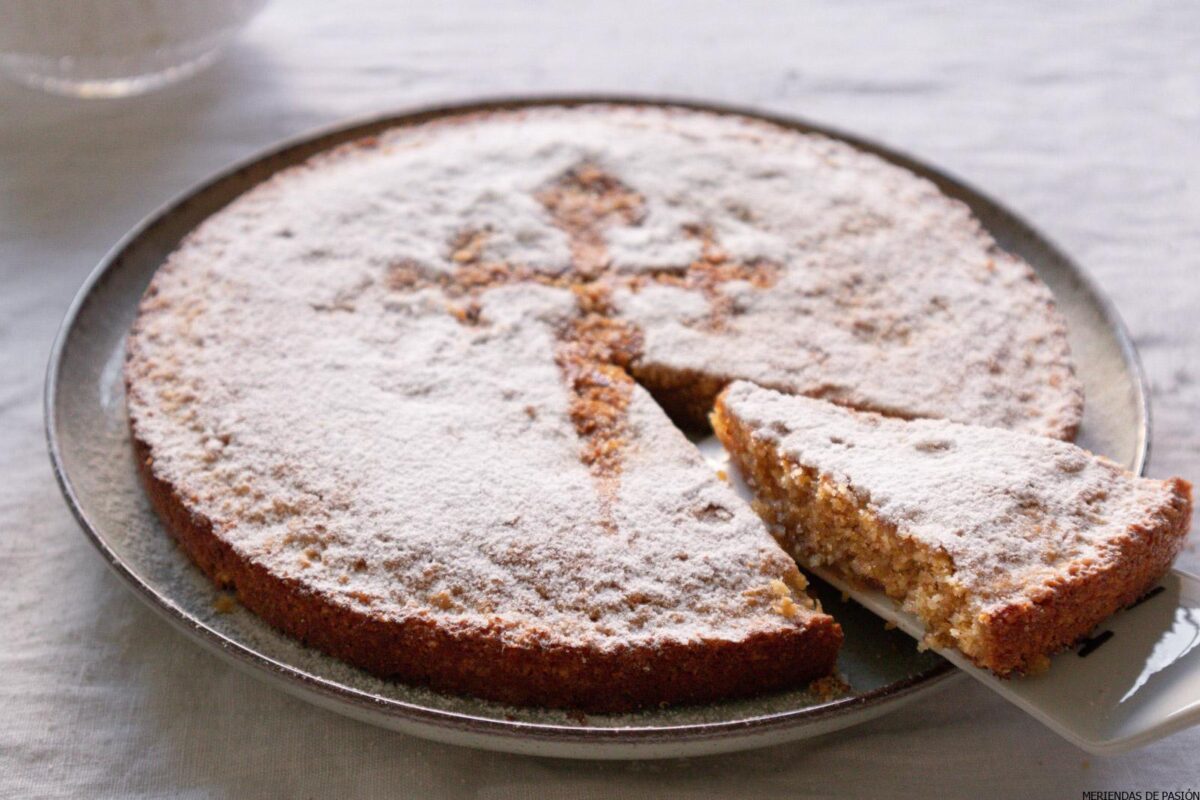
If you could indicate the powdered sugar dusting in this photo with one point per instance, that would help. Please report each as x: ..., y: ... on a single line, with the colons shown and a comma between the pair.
x: 1010, y: 509
x: 354, y: 434
x: 401, y: 462
x: 892, y: 296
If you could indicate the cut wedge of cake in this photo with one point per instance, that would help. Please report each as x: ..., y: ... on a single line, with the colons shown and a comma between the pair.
x: 1008, y: 546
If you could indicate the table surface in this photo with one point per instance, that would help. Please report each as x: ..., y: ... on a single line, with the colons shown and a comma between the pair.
x: 1084, y: 117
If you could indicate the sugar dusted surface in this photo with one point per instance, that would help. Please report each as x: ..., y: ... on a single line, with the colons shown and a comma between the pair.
x: 357, y: 436
x: 889, y: 295
x: 400, y: 462
x: 1011, y: 510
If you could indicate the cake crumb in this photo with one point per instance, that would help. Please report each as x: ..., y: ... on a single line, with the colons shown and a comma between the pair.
x: 831, y: 687
x: 784, y: 604
x: 1040, y: 664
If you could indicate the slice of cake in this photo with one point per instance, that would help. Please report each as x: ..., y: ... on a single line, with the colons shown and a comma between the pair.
x: 1008, y: 546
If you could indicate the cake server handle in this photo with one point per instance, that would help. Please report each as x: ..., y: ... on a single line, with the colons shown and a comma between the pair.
x: 1135, y: 679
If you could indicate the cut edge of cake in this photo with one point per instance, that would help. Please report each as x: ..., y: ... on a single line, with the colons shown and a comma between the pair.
x: 824, y: 522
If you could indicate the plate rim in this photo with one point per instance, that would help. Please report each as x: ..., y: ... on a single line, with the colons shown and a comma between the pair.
x: 297, y: 680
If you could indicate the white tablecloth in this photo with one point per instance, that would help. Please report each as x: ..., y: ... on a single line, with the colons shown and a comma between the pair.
x: 1085, y: 117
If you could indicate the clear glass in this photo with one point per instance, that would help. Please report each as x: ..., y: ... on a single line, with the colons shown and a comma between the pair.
x: 114, y: 48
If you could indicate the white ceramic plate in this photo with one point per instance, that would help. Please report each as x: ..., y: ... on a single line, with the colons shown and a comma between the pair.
x: 90, y: 450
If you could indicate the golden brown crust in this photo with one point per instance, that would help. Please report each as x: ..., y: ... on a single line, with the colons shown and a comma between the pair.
x: 479, y: 663
x: 1022, y: 634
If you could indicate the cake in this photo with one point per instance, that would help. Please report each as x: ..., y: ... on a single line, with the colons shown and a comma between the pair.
x: 417, y: 399
x: 1008, y: 546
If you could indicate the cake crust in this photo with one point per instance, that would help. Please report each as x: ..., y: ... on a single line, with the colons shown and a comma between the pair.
x: 1070, y: 606
x: 419, y: 651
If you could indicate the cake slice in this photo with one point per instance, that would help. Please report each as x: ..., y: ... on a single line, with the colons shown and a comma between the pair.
x: 1008, y: 546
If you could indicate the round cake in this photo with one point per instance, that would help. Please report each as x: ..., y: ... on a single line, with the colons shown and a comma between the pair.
x: 418, y: 401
